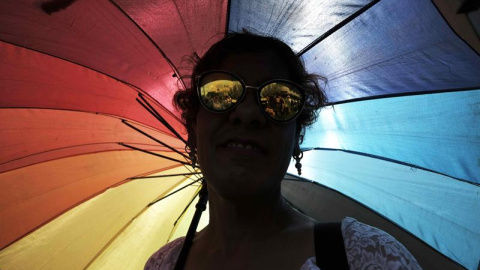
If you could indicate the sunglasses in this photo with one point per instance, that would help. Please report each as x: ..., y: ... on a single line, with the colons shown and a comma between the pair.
x: 221, y: 91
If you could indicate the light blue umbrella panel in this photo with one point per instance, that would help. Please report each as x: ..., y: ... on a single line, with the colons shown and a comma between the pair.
x: 402, y: 136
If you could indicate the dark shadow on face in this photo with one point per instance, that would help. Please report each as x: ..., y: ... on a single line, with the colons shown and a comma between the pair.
x: 241, y: 153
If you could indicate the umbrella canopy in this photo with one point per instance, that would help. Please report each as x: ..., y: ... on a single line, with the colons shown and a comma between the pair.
x: 91, y: 144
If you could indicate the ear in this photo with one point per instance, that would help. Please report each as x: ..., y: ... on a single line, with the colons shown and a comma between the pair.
x: 296, y: 149
x: 298, y: 141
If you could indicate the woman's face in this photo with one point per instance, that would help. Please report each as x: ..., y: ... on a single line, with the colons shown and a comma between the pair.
x: 241, y: 152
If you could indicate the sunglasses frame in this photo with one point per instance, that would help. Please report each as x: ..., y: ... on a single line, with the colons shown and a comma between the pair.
x: 244, y: 92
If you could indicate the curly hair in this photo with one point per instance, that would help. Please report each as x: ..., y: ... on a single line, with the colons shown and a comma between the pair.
x: 245, y: 42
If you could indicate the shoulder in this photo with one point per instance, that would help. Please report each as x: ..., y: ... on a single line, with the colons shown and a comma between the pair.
x: 367, y: 245
x: 166, y: 257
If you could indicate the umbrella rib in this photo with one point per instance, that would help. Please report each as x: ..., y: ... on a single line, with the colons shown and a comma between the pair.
x: 184, y: 27
x: 185, y: 210
x: 294, y: 206
x: 404, y: 94
x: 227, y: 25
x: 190, y: 170
x: 161, y: 176
x: 194, y: 174
x: 393, y: 161
x: 194, y: 166
x: 151, y: 153
x: 200, y: 207
x: 113, y: 239
x: 180, y: 216
x: 465, y: 4
x: 337, y: 27
x: 176, y: 73
x: 154, y: 202
x: 355, y: 201
x: 145, y: 104
x: 151, y: 137
x: 297, y: 180
x: 135, y: 88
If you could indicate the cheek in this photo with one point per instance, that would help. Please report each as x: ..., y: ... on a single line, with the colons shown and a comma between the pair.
x: 287, y: 143
x: 205, y: 129
x: 290, y: 135
x: 201, y: 136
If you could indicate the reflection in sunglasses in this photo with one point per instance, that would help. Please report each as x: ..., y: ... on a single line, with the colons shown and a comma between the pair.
x: 221, y: 94
x: 280, y: 100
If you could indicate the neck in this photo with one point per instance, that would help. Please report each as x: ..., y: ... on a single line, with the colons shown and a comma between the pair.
x: 246, y: 220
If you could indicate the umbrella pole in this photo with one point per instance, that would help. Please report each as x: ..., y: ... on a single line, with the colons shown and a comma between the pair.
x: 201, y: 206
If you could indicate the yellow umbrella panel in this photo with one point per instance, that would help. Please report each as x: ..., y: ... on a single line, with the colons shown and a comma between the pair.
x: 114, y: 230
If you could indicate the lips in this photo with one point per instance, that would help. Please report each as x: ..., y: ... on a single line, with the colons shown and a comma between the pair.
x: 243, y: 145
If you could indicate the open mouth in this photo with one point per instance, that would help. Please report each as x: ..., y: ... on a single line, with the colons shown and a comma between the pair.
x: 243, y: 145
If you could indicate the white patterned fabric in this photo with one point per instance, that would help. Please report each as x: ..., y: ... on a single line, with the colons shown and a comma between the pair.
x: 367, y: 248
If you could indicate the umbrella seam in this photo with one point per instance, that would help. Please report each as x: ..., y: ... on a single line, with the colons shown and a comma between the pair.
x: 394, y: 95
x: 393, y: 161
x: 453, y: 30
x: 134, y: 87
x: 337, y: 27
x: 381, y: 216
x: 172, y: 66
x: 99, y: 253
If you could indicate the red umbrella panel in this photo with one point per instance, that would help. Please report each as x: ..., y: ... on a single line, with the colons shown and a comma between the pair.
x: 91, y: 145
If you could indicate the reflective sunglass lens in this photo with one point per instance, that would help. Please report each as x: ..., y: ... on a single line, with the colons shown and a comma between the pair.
x: 220, y: 91
x: 282, y: 101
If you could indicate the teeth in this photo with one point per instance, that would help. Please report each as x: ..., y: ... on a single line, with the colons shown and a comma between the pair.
x: 243, y: 146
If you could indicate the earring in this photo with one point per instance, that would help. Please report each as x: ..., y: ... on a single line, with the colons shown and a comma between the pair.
x: 298, y: 156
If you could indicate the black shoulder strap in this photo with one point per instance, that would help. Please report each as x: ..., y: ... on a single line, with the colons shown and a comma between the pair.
x: 329, y: 247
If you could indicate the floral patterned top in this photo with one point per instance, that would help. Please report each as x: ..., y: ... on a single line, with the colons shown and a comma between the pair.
x: 366, y: 247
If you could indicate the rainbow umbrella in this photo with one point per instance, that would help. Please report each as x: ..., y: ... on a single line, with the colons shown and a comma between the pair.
x: 93, y: 171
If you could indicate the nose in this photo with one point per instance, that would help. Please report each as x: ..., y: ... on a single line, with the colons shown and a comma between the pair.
x: 248, y: 112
